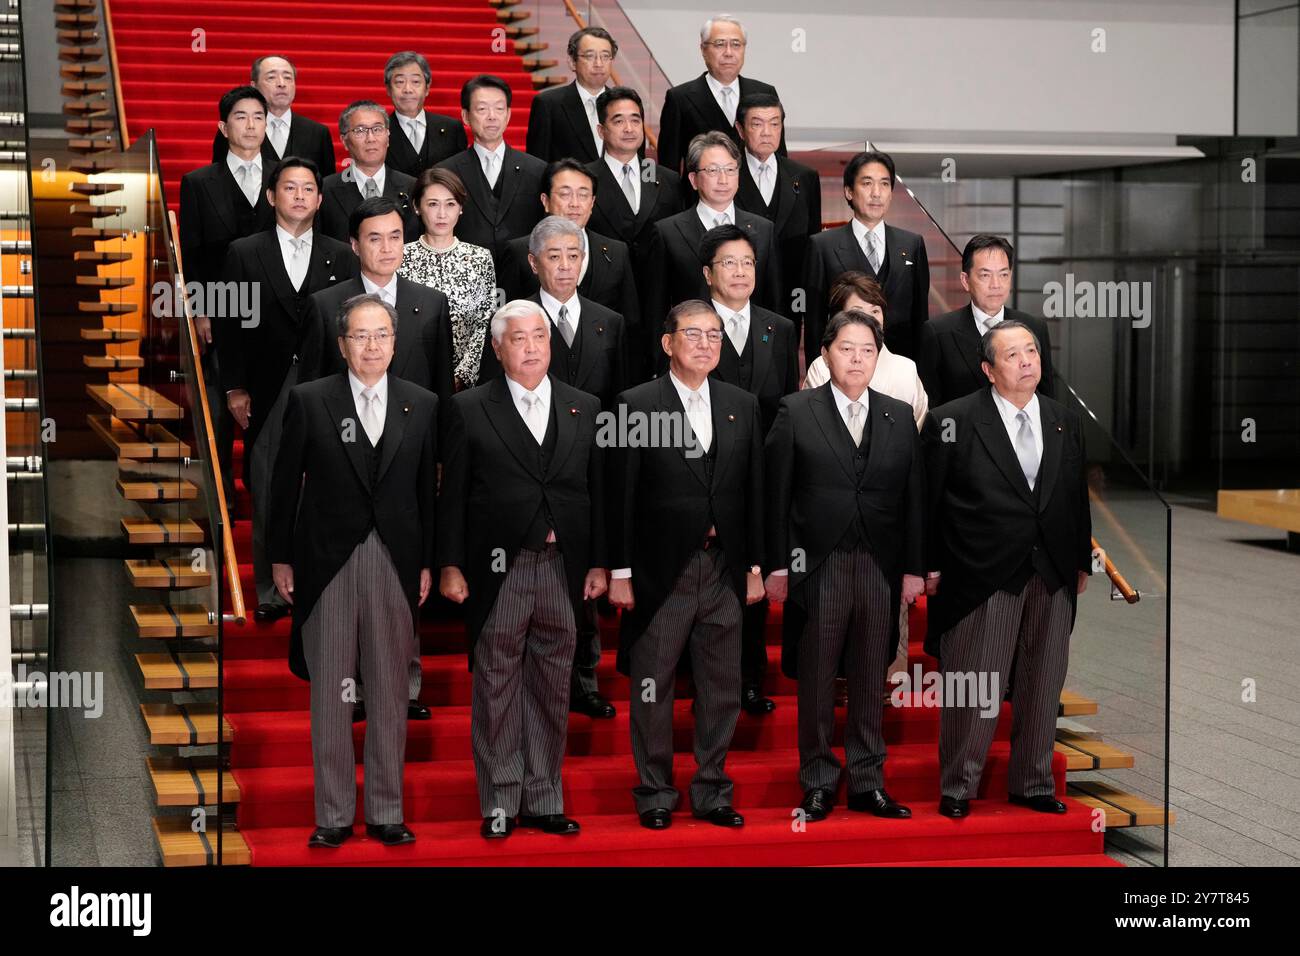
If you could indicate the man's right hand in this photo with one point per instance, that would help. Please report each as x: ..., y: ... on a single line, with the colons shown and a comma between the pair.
x: 931, y: 585
x: 240, y: 404
x: 778, y: 588
x: 620, y: 594
x: 282, y: 576
x: 452, y: 585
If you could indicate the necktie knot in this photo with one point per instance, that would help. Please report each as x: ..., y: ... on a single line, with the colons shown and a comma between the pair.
x: 371, y: 189
x: 721, y: 219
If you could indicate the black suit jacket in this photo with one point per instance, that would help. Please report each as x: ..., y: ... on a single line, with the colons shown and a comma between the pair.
x: 814, y: 494
x: 949, y: 362
x: 444, y: 136
x: 795, y: 213
x: 214, y: 213
x: 609, y: 279
x: 308, y: 139
x: 662, y: 502
x: 612, y: 216
x: 341, y: 196
x: 904, y: 277
x: 493, y: 485
x: 490, y: 222
x: 772, y: 353
x: 257, y: 357
x: 558, y: 127
x: 985, y: 524
x: 690, y: 109
x: 602, y: 352
x: 323, y: 501
x: 421, y: 354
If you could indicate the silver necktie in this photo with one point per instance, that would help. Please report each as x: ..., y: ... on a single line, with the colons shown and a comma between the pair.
x: 298, y: 262
x: 279, y: 135
x: 735, y: 333
x: 628, y: 189
x: 855, y: 422
x: 873, y: 251
x: 533, y: 416
x: 370, y: 190
x: 727, y: 106
x: 699, y: 419
x: 721, y: 219
x: 1025, y: 449
x: 370, y: 420
x: 566, y: 327
x: 766, y: 184
x: 415, y: 133
x: 248, y: 183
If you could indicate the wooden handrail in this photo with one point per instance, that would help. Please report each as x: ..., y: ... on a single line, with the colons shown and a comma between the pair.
x: 1126, y: 590
x: 650, y: 136
x: 228, y: 541
x: 123, y: 138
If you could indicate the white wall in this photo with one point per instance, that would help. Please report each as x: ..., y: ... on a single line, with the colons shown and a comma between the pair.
x: 990, y: 68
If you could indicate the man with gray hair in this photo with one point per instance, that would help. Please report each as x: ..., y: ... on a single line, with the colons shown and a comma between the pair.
x: 709, y: 101
x: 417, y: 138
x: 352, y: 546
x: 287, y: 133
x: 521, y: 543
x: 363, y: 128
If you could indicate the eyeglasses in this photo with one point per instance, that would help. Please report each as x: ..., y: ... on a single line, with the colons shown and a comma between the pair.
x: 721, y: 45
x: 714, y: 336
x: 731, y: 263
x: 361, y: 132
x: 592, y: 57
x: 382, y: 337
x: 719, y: 171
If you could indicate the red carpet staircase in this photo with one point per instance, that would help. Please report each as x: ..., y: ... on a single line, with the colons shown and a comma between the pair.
x: 172, y: 86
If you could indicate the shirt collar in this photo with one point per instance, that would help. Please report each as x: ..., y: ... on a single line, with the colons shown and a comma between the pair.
x: 617, y: 169
x: 543, y: 391
x: 380, y: 388
x: 842, y: 401
x: 755, y: 165
x: 287, y: 237
x: 586, y: 97
x: 390, y: 288
x: 1008, y: 411
x: 358, y: 177
x: 552, y: 306
x: 982, y: 318
x: 684, y: 393
x: 418, y: 119
x: 726, y: 313
x: 716, y: 87
x: 287, y: 117
x: 707, y: 214
x: 860, y: 231
x: 484, y: 152
x: 233, y: 162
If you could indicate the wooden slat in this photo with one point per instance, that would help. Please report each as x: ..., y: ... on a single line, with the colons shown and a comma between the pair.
x: 1270, y: 507
x: 149, y: 443
x: 89, y: 146
x: 82, y: 70
x: 148, y: 531
x: 95, y: 210
x: 89, y: 125
x: 1075, y: 705
x: 175, y: 784
x: 93, y: 165
x: 189, y: 671
x: 111, y: 335
x: 78, y: 54
x: 168, y: 726
x: 81, y: 87
x: 133, y: 402
x: 106, y: 282
x: 180, y: 846
x: 1074, y: 759
x: 96, y: 189
x: 1122, y: 809
x: 157, y: 490
x: 94, y: 255
x: 1089, y: 748
x: 112, y: 363
x: 108, y: 308
x: 76, y: 20
x: 94, y: 106
x: 161, y: 621
x: 168, y: 574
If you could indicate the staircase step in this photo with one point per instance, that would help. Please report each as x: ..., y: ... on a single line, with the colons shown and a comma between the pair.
x: 89, y: 146
x: 133, y: 402
x: 79, y: 35
x: 1076, y: 705
x: 91, y: 106
x: 90, y: 125
x: 76, y: 19
x: 96, y: 232
x: 96, y: 189
x: 172, y: 574
x: 189, y: 782
x: 80, y: 54
x: 183, y: 725
x: 106, y: 282
x: 112, y: 363
x: 92, y: 166
x: 173, y: 620
x: 157, y: 490
x: 83, y: 70
x: 108, y: 308
x: 189, y: 671
x: 96, y: 210
x: 150, y: 443
x: 74, y: 6
x: 111, y: 335
x: 94, y: 255
x: 181, y: 846
x: 1121, y: 809
x: 149, y: 531
x: 1087, y: 751
x: 80, y: 87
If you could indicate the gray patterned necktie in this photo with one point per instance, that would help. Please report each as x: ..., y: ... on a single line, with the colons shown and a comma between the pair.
x: 566, y: 327
x: 370, y: 190
x: 628, y: 189
x: 855, y: 422
x: 873, y: 251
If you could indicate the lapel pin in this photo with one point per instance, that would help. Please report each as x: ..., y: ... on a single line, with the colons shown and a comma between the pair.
x: 731, y: 418
x: 332, y: 279
x: 1059, y: 428
x: 416, y: 310
x: 889, y: 417
x: 600, y: 330
x: 406, y: 409
x: 573, y: 411
x: 765, y: 339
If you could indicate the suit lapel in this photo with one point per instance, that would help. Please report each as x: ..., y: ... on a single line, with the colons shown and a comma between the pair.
x: 391, y: 191
x: 850, y: 253
x: 894, y: 265
x: 724, y: 432
x: 1053, y: 441
x: 577, y: 118
x: 225, y: 193
x: 400, y: 150
x: 509, y: 182
x: 321, y: 269
x: 399, y: 408
x: 708, y: 106
x: 968, y: 343
x: 760, y: 343
x: 349, y: 197
x: 566, y: 426
x: 273, y: 263
x: 988, y: 425
x: 408, y: 318
x: 670, y: 401
x: 343, y: 409
x: 785, y: 194
x: 882, y: 431
x: 505, y: 421
x: 649, y: 200
x: 828, y: 419
x: 470, y: 172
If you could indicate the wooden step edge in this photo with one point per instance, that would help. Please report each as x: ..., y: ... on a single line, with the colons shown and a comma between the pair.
x: 165, y: 575
x: 130, y: 402
x: 106, y: 282
x: 173, y: 621
x: 108, y: 308
x: 94, y: 255
x: 195, y: 670
x: 113, y: 363
x: 183, y: 725
x: 149, y: 531
x: 1089, y: 752
x: 111, y: 335
x: 179, y: 845
x: 157, y: 490
x: 190, y: 782
x: 151, y: 443
x: 1122, y: 809
x: 1075, y: 705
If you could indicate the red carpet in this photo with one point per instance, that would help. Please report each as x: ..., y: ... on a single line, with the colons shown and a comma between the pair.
x: 340, y: 56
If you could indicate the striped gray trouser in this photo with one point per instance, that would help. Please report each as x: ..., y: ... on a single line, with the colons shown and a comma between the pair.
x: 850, y: 614
x: 260, y: 464
x: 520, y: 704
x: 1034, y: 628
x: 361, y: 613
x: 701, y: 612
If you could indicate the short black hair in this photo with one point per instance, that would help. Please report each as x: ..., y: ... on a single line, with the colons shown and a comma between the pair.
x: 852, y: 317
x: 758, y: 101
x: 291, y: 162
x: 600, y: 33
x: 613, y: 93
x: 561, y: 165
x: 719, y: 236
x: 227, y: 104
x: 862, y: 159
x: 484, y: 81
x: 987, y: 352
x: 979, y: 244
x: 369, y: 208
x: 689, y: 307
x: 256, y: 72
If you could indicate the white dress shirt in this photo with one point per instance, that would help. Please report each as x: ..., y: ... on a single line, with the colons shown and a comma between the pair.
x: 742, y: 332
x: 708, y: 215
x: 860, y: 234
x: 381, y: 405
x: 543, y: 391
x: 297, y: 272
x: 983, y: 320
x: 414, y: 128
x: 895, y: 376
x: 253, y: 185
x: 634, y: 168
x: 552, y: 306
x: 766, y: 184
x: 386, y: 292
x: 728, y: 108
x: 589, y: 107
x: 279, y: 140
x: 1009, y: 412
x: 491, y: 172
x: 360, y: 178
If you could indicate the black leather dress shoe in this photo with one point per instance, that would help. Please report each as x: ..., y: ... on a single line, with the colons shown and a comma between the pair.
x: 270, y: 612
x: 390, y: 834
x: 656, y: 819
x: 817, y: 804
x: 952, y: 807
x: 417, y: 711
x: 358, y: 712
x: 556, y: 823
x: 1043, y: 804
x: 753, y: 702
x: 879, y: 803
x: 593, y: 705
x: 722, y: 817
x: 496, y: 828
x: 329, y: 837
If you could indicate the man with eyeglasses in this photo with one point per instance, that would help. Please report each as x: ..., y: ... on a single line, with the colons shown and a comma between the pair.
x: 352, y: 541
x: 673, y: 263
x: 562, y: 120
x: 686, y: 545
x: 363, y: 127
x: 287, y: 133
x: 710, y: 101
x: 760, y: 354
x: 503, y: 183
x: 421, y: 355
